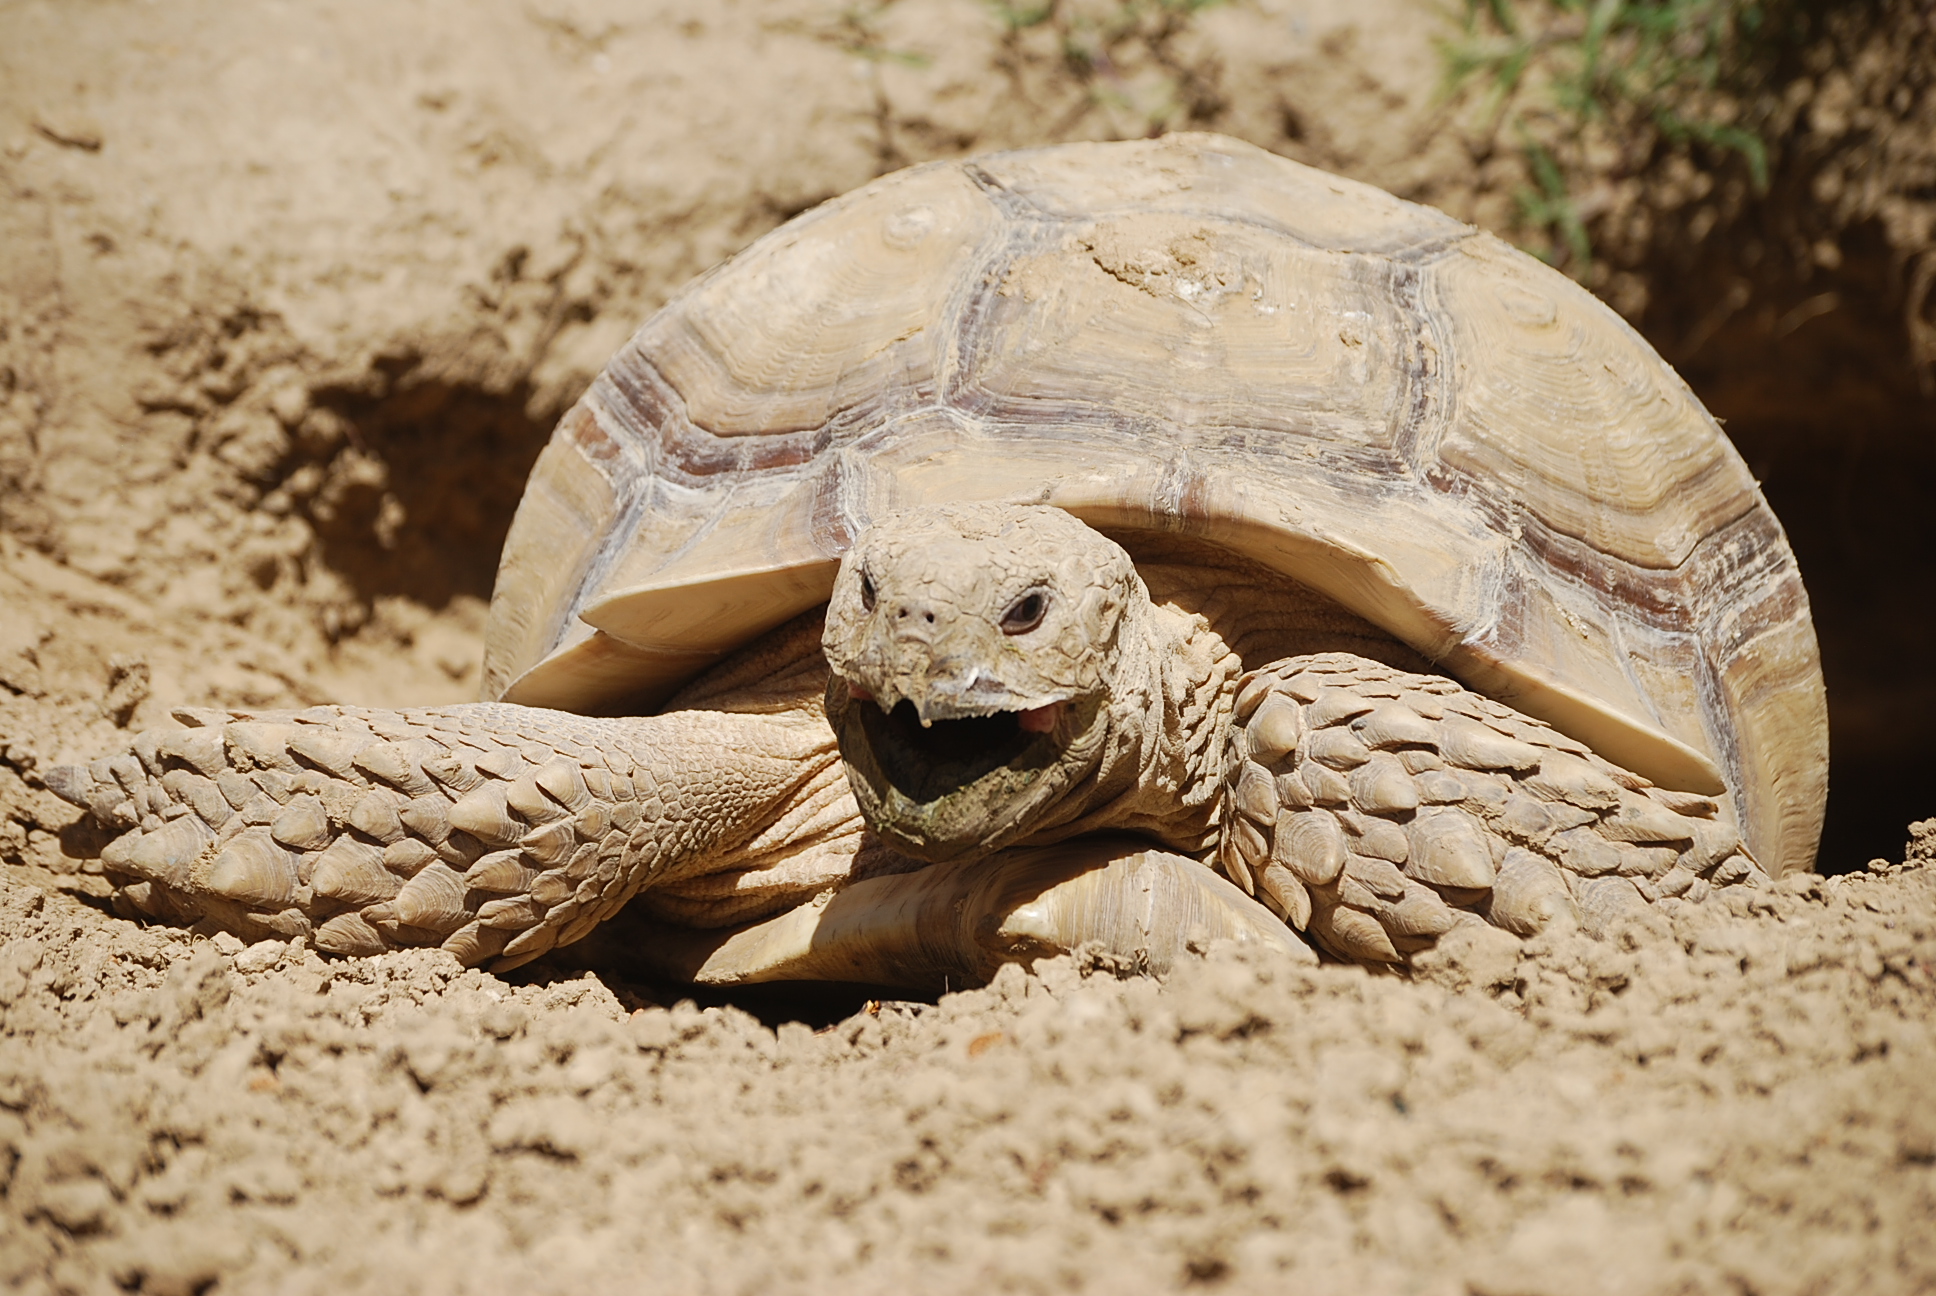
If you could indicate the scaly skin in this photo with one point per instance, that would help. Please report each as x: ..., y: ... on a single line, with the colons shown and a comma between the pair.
x: 998, y: 677
x: 1373, y: 808
x: 494, y: 831
x: 1377, y: 809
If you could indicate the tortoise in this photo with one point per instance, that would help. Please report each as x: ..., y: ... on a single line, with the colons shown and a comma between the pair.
x: 1142, y: 544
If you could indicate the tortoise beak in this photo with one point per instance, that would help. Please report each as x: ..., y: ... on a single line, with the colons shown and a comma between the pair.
x: 956, y: 694
x: 951, y: 691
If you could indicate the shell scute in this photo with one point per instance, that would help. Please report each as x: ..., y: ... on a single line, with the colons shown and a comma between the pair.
x: 1188, y: 335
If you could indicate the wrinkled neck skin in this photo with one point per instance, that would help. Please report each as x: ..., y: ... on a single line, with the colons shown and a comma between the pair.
x: 1159, y: 770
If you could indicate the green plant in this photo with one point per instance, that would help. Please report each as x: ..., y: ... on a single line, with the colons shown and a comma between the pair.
x: 1630, y: 74
x: 1101, y: 42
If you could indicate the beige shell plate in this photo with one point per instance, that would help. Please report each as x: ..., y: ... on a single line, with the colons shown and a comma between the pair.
x: 1189, y: 334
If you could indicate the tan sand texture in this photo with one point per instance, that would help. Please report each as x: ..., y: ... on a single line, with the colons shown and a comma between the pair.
x: 289, y: 298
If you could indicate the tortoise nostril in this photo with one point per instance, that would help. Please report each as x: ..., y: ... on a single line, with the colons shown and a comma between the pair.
x: 930, y: 618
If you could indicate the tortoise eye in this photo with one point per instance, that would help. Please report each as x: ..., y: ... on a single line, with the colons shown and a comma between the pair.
x: 866, y: 593
x: 1026, y: 614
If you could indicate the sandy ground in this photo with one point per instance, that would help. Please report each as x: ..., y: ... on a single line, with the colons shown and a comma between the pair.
x: 289, y: 296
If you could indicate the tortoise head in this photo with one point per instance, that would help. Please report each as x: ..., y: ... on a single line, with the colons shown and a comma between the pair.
x: 976, y: 658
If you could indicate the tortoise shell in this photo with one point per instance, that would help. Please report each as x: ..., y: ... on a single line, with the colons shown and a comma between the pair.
x: 1189, y: 335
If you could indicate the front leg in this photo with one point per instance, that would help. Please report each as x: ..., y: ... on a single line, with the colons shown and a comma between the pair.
x: 1377, y: 809
x: 494, y: 831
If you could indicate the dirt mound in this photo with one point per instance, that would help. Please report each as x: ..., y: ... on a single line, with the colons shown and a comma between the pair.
x: 288, y: 302
x: 1715, y: 1102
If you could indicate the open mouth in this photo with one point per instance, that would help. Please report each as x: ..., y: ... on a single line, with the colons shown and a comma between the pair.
x: 927, y: 763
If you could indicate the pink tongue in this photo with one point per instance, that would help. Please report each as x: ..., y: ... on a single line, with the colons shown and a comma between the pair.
x: 1041, y: 719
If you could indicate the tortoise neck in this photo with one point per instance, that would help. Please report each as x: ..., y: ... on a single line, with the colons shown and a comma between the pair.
x: 1161, y: 768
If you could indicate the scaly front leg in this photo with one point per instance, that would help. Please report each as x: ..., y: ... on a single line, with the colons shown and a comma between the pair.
x: 1377, y: 809
x: 494, y: 831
